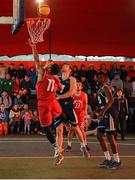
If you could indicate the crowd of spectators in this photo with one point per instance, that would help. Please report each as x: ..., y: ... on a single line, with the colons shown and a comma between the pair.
x: 16, y: 86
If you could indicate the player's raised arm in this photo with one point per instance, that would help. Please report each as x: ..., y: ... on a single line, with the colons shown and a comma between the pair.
x: 35, y: 53
x: 71, y: 91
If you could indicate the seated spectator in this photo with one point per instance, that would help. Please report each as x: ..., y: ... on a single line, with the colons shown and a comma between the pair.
x: 4, y: 119
x: 123, y: 72
x: 15, y: 117
x: 16, y: 84
x: 117, y: 82
x: 18, y: 101
x: 91, y: 73
x: 36, y: 124
x: 27, y: 116
x: 6, y: 100
x: 26, y: 86
x: 12, y: 71
x: 33, y: 76
x: 21, y: 72
x: 8, y: 84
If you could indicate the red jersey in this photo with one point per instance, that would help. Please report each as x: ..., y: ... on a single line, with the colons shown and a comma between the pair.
x: 79, y: 104
x: 46, y: 89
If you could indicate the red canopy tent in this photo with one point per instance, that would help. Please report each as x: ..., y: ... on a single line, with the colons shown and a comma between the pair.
x: 78, y: 27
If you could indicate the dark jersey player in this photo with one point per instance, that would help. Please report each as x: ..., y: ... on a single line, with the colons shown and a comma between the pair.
x: 106, y: 124
x: 66, y: 101
x: 47, y: 84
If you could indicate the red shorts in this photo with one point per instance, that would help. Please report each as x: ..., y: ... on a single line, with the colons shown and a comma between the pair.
x: 48, y: 111
x: 80, y: 121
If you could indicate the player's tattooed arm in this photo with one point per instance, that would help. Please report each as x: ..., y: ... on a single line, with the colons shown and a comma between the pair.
x: 71, y: 91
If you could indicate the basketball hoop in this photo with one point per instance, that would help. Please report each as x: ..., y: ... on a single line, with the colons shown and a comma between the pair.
x: 37, y: 27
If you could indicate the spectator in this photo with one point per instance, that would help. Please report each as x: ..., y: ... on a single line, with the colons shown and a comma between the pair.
x: 27, y: 116
x: 114, y: 70
x: 75, y: 72
x: 91, y: 73
x: 7, y: 84
x: 6, y: 100
x: 85, y: 84
x: 131, y: 72
x: 103, y: 69
x: 16, y: 84
x: 127, y: 86
x: 26, y: 86
x: 36, y: 124
x: 18, y: 101
x: 117, y: 82
x: 12, y: 71
x: 33, y: 77
x: 2, y: 71
x: 123, y: 72
x: 14, y: 117
x: 4, y: 118
x: 82, y: 71
x: 21, y: 72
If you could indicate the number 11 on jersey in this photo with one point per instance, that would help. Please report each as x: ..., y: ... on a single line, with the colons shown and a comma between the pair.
x: 50, y: 85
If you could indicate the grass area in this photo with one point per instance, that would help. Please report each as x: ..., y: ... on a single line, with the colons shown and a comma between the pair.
x: 76, y: 168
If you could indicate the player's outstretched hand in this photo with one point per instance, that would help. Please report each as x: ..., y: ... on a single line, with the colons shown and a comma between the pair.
x: 30, y: 43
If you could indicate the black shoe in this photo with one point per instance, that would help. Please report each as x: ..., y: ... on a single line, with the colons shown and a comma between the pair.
x: 105, y: 163
x: 115, y: 165
x: 68, y: 148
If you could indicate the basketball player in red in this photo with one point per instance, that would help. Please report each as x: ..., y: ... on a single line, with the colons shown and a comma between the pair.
x: 47, y: 84
x: 81, y: 109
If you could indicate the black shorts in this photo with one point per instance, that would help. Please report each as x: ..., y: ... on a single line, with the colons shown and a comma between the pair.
x: 68, y: 116
x: 107, y: 123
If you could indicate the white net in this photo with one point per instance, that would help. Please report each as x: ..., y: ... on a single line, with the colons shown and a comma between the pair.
x: 37, y: 27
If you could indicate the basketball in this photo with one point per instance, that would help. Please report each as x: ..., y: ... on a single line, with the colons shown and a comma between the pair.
x: 43, y: 10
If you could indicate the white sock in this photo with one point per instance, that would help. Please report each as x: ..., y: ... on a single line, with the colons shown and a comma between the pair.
x: 69, y: 143
x: 107, y: 155
x: 86, y: 143
x: 116, y: 157
x: 82, y: 144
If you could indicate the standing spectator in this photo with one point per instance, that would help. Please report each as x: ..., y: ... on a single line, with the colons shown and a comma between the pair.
x: 75, y: 72
x: 6, y: 100
x: 117, y: 82
x: 2, y: 71
x: 114, y: 70
x: 82, y: 71
x: 91, y: 73
x: 7, y: 84
x: 85, y: 84
x: 21, y: 72
x: 33, y: 77
x: 12, y: 71
x: 131, y: 71
x: 27, y: 121
x: 26, y: 86
x: 103, y: 69
x: 122, y: 107
x: 14, y: 117
x: 4, y: 118
x: 127, y: 86
x: 123, y: 72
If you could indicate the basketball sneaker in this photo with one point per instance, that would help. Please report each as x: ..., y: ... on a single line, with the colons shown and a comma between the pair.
x: 59, y: 159
x: 115, y: 165
x: 68, y: 148
x: 86, y: 154
x: 105, y: 164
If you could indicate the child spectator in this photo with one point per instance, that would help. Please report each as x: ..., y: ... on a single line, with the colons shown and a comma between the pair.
x: 36, y: 123
x: 15, y: 116
x: 4, y: 118
x: 27, y: 116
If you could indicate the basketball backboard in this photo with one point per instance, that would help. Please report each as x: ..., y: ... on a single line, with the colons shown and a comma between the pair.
x: 17, y: 19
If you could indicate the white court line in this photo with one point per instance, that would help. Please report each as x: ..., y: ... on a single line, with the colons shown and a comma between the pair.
x: 122, y: 144
x: 51, y: 157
